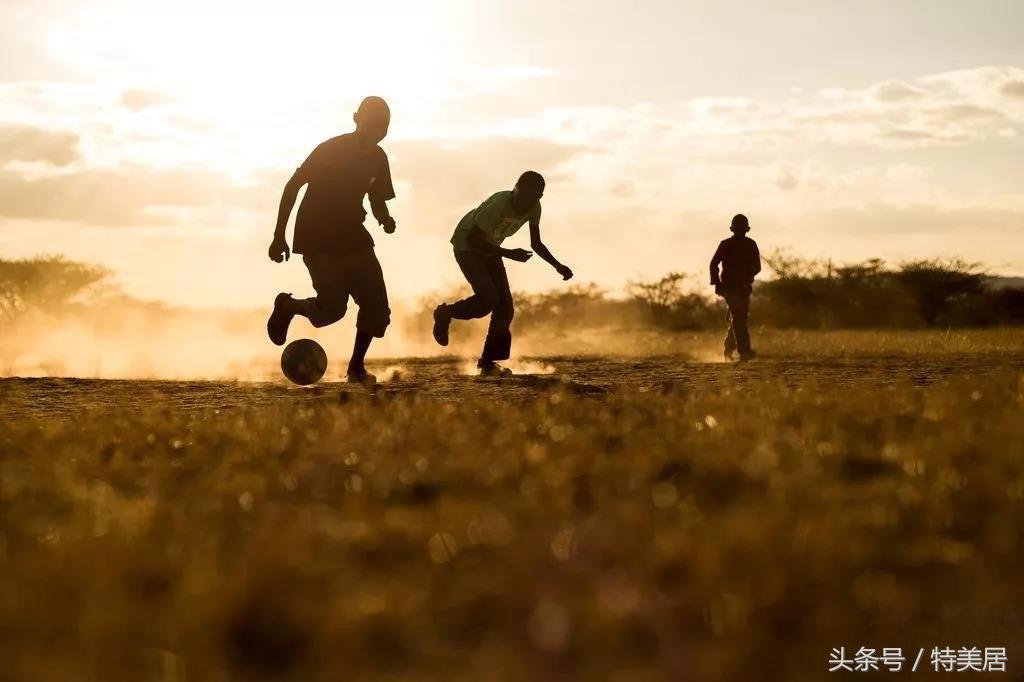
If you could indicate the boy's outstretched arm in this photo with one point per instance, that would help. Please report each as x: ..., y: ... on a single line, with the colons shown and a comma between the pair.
x: 279, y: 250
x: 716, y: 260
x: 538, y: 246
x: 478, y: 242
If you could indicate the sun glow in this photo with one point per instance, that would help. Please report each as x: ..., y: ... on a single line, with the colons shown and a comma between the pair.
x: 260, y: 72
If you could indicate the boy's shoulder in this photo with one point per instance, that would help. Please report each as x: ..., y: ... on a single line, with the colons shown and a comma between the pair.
x: 498, y: 197
x: 345, y: 141
x: 336, y: 141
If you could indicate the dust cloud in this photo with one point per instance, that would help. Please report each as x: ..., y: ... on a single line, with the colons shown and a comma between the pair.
x: 151, y: 341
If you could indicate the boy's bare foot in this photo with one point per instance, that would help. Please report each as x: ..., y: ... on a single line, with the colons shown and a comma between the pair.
x: 361, y: 376
x: 442, y: 321
x: 280, y: 319
x: 492, y: 369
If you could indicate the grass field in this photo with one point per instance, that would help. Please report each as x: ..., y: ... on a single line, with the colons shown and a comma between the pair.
x: 606, y: 517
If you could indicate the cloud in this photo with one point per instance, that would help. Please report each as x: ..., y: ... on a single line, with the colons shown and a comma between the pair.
x: 138, y: 99
x: 125, y: 196
x: 787, y: 180
x: 875, y: 217
x: 1014, y: 88
x: 32, y: 144
x: 950, y: 108
x: 895, y: 91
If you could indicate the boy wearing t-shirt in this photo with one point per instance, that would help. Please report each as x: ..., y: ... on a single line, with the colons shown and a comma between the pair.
x: 329, y: 233
x: 477, y: 242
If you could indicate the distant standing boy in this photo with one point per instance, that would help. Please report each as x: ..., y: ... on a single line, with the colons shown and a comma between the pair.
x: 733, y: 268
x: 477, y: 242
x: 329, y: 233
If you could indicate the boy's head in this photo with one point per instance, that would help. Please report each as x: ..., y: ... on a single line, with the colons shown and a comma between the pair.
x: 528, y: 190
x: 372, y: 119
x: 740, y: 224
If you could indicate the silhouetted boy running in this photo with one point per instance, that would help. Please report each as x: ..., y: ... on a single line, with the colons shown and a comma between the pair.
x: 740, y: 262
x: 329, y: 233
x: 477, y: 242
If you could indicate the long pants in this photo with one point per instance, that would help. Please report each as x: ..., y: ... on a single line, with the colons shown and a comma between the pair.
x: 335, y: 278
x: 738, y: 336
x: 491, y: 296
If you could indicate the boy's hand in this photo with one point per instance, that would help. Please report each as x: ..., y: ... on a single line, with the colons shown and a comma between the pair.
x: 389, y: 225
x: 564, y: 271
x: 521, y: 255
x: 279, y: 250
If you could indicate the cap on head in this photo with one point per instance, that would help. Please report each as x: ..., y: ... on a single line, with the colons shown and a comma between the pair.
x: 531, y: 180
x: 740, y: 223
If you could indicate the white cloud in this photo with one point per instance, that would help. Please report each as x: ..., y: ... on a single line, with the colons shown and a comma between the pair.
x: 31, y: 144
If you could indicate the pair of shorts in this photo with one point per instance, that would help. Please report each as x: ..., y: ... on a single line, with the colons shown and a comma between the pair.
x: 357, y: 273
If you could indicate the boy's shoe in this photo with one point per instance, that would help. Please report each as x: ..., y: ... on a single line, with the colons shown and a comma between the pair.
x: 492, y: 369
x: 749, y: 355
x: 361, y: 376
x: 442, y: 321
x: 280, y: 319
x: 727, y: 354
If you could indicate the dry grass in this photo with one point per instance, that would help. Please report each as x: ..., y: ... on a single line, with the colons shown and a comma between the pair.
x: 639, y: 520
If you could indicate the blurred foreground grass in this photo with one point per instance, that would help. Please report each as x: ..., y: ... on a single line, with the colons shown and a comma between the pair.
x: 673, y: 533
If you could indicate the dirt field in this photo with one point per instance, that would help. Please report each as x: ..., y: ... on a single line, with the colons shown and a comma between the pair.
x: 600, y: 518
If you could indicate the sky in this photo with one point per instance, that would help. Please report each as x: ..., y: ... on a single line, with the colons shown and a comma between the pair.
x: 155, y: 138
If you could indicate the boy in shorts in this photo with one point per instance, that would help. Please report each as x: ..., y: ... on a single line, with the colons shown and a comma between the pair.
x: 329, y: 233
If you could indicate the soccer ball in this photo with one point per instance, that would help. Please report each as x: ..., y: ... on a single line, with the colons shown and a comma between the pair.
x: 304, y: 362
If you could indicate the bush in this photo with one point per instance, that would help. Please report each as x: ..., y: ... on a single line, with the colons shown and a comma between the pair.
x: 929, y: 293
x: 669, y: 306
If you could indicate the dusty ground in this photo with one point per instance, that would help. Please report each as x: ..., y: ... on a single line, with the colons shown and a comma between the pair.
x: 446, y: 379
x: 601, y: 518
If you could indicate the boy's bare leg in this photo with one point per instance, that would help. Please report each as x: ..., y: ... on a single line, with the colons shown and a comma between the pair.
x: 357, y: 364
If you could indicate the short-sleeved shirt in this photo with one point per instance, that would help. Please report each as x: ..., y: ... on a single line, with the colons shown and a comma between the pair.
x: 340, y: 172
x: 497, y: 219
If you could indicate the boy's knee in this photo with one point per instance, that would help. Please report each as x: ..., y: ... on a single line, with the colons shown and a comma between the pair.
x: 487, y: 303
x: 504, y: 310
x: 374, y: 320
x: 327, y: 313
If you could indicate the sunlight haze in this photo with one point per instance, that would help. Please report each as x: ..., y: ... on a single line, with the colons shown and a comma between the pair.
x: 155, y: 138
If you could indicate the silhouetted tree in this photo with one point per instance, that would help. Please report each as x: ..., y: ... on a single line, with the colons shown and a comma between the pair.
x: 934, y: 284
x: 48, y: 284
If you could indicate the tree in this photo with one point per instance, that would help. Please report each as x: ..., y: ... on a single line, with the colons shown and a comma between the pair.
x: 50, y: 284
x: 934, y: 284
